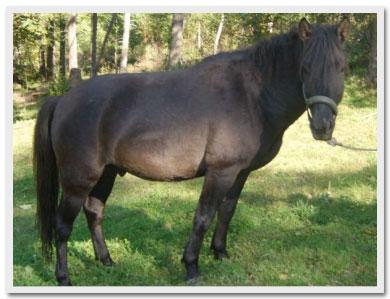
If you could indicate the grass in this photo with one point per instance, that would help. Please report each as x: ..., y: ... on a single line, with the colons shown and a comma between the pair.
x: 307, y: 218
x: 358, y: 93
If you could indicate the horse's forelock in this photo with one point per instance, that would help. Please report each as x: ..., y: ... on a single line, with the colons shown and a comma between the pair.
x: 323, y: 51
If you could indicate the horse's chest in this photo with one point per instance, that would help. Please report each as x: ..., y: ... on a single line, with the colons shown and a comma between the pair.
x: 266, y: 153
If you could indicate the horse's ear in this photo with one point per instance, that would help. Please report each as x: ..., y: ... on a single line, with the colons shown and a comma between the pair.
x: 343, y: 29
x: 304, y: 29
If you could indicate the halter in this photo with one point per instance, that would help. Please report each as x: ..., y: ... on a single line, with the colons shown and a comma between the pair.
x: 319, y: 99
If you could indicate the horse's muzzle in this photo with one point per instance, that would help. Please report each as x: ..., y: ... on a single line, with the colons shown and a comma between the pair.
x: 322, y: 137
x: 322, y: 129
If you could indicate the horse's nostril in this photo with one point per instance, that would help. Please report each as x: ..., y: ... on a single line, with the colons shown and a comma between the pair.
x: 320, y: 127
x: 326, y: 124
x: 323, y: 126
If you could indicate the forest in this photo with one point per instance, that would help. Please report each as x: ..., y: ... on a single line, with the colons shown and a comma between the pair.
x: 47, y: 46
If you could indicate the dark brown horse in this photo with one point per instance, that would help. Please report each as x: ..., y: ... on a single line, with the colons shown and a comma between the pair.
x: 220, y: 119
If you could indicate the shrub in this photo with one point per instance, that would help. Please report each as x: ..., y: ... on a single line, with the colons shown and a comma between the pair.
x: 58, y: 87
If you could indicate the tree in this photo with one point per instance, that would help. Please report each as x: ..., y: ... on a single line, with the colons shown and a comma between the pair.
x: 372, y: 60
x: 42, y: 65
x: 62, y: 25
x: 176, y: 39
x: 155, y: 42
x: 50, y: 49
x: 219, y: 33
x: 103, y: 47
x: 74, y: 71
x: 125, y: 43
x: 93, y: 42
x: 72, y: 39
x: 199, y: 36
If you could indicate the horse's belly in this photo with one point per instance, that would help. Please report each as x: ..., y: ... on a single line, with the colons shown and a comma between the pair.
x: 160, y: 160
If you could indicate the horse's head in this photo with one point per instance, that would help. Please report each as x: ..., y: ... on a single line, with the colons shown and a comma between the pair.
x: 323, y: 63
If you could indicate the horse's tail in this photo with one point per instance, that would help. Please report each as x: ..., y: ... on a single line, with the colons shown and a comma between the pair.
x: 46, y: 176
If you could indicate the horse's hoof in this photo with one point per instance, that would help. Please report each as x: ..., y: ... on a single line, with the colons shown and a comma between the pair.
x: 192, y: 273
x: 192, y: 277
x: 192, y: 281
x: 64, y: 282
x: 107, y: 262
x: 220, y: 254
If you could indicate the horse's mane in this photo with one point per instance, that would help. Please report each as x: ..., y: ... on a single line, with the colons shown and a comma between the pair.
x: 267, y: 54
x: 273, y: 54
x: 284, y: 51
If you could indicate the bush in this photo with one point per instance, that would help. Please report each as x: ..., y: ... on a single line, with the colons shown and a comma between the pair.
x: 58, y: 87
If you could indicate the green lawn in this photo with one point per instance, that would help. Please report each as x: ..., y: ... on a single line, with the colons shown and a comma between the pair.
x: 308, y: 218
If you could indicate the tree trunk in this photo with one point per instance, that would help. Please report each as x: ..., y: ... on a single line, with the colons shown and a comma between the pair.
x: 219, y: 33
x: 125, y: 43
x: 103, y: 47
x: 176, y: 40
x: 199, y: 37
x: 50, y: 50
x: 372, y: 59
x: 62, y: 45
x: 116, y: 62
x: 42, y: 65
x: 93, y: 42
x: 75, y: 77
x: 72, y: 39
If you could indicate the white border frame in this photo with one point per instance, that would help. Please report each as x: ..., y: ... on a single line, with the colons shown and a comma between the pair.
x: 196, y: 289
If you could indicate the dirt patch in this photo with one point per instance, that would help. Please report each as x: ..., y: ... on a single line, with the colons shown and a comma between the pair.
x: 28, y: 97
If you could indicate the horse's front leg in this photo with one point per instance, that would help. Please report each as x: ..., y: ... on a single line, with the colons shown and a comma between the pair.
x: 216, y: 185
x: 225, y: 214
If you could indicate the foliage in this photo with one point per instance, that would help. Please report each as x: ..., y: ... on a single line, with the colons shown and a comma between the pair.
x: 150, y: 37
x: 58, y: 87
x: 358, y: 93
x: 359, y: 44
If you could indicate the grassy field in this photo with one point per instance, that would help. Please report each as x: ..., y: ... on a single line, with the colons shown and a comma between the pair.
x: 308, y: 218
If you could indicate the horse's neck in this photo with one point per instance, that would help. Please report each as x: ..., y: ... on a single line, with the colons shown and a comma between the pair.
x: 282, y: 104
x: 281, y: 97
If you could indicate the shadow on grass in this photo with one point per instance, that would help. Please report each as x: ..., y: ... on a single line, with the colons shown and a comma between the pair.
x: 149, y: 240
x: 157, y: 239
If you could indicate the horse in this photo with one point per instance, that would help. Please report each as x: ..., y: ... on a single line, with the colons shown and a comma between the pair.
x: 221, y: 119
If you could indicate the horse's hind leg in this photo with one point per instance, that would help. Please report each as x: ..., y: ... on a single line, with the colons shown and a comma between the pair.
x: 94, y: 211
x: 225, y: 214
x: 76, y: 186
x: 68, y: 210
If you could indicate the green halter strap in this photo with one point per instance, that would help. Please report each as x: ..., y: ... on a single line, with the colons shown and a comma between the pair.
x: 319, y: 99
